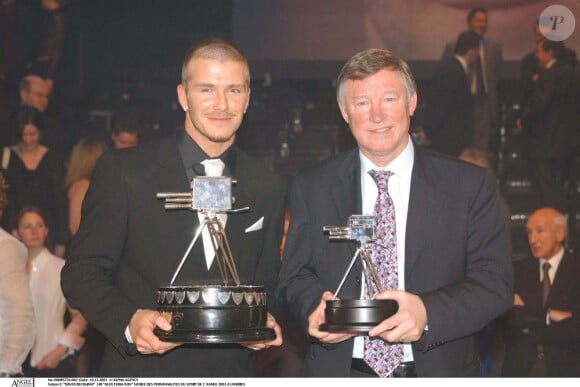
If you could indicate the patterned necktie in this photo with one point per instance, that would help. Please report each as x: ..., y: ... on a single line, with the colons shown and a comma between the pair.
x: 546, y: 284
x: 379, y: 355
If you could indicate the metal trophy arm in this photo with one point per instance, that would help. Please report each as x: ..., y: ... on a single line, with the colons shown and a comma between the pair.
x: 210, y: 195
x: 362, y: 229
x: 208, y: 314
x: 358, y: 316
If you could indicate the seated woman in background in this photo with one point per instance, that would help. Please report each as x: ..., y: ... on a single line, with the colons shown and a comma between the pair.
x: 54, y: 344
x: 35, y: 176
x: 80, y: 168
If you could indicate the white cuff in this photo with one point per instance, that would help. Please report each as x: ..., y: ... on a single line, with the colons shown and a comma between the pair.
x: 128, y: 335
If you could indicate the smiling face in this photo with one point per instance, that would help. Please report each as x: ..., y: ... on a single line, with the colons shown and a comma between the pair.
x: 215, y: 97
x: 378, y: 109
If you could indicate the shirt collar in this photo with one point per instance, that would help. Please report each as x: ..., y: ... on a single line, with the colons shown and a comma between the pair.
x: 463, y: 63
x: 554, y: 261
x: 191, y: 154
x: 401, y: 166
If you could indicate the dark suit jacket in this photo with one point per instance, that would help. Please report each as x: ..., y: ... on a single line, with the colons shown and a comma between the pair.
x: 449, y: 113
x: 561, y: 340
x: 550, y: 114
x: 128, y: 245
x: 457, y: 258
x: 492, y: 62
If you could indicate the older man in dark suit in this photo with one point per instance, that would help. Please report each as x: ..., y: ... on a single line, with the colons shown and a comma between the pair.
x: 543, y: 327
x: 451, y: 273
x: 128, y: 245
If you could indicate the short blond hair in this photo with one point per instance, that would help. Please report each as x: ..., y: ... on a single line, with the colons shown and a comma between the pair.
x: 217, y: 49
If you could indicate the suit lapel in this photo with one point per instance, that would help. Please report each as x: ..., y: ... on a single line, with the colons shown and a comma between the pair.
x: 564, y: 276
x: 172, y: 177
x: 346, y: 193
x: 425, y: 201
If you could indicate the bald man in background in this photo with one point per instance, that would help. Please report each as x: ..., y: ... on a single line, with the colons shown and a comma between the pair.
x: 543, y: 326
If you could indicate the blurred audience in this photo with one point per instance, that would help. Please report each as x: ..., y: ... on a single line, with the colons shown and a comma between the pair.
x: 125, y: 132
x: 36, y: 92
x: 35, y: 176
x: 484, y: 83
x: 54, y: 344
x: 449, y: 115
x: 549, y: 125
x: 17, y: 328
x: 543, y: 326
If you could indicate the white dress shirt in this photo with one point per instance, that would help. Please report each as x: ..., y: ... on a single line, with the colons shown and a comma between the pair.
x: 399, y: 189
x: 17, y: 329
x: 50, y: 307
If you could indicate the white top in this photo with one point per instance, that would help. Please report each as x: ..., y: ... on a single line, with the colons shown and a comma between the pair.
x: 17, y: 329
x: 50, y: 307
x: 399, y: 189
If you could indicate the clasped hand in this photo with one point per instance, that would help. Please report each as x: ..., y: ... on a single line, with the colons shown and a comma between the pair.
x: 144, y: 321
x: 405, y: 326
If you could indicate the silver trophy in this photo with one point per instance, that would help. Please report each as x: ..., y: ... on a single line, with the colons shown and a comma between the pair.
x: 357, y: 315
x: 230, y: 313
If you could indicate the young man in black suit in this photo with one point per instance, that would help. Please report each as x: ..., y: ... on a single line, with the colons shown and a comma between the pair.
x: 454, y: 267
x: 128, y: 244
x: 543, y: 327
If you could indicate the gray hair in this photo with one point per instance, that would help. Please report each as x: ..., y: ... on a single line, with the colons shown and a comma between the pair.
x: 369, y: 62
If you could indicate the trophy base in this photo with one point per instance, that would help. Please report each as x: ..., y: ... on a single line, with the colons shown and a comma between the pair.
x: 214, y: 314
x: 217, y: 336
x: 356, y: 315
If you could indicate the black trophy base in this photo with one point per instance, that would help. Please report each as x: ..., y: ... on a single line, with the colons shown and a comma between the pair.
x: 214, y: 314
x: 356, y: 315
x: 216, y: 336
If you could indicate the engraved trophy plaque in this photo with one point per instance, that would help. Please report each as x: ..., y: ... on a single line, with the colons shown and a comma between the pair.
x: 228, y: 313
x: 357, y: 315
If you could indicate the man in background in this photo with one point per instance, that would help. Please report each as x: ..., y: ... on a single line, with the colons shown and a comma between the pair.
x: 126, y: 131
x: 449, y: 113
x: 484, y: 83
x: 543, y: 326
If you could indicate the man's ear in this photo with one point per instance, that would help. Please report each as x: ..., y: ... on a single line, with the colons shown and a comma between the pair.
x: 15, y: 234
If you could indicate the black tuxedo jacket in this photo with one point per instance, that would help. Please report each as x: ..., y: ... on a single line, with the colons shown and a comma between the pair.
x: 550, y: 114
x: 457, y: 258
x: 449, y: 113
x: 492, y: 63
x: 526, y: 326
x: 128, y: 245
